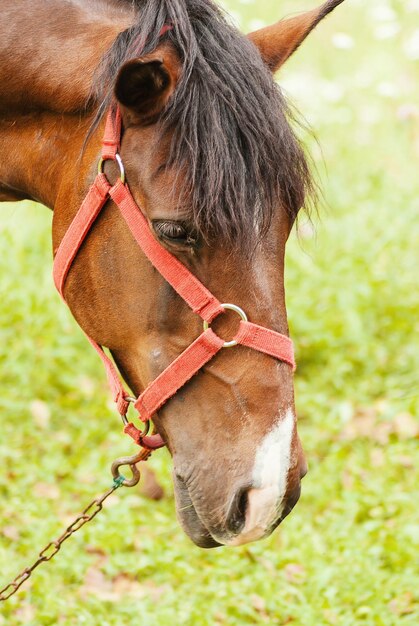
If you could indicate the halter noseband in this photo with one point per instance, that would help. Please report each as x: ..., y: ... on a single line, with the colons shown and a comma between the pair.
x: 190, y: 289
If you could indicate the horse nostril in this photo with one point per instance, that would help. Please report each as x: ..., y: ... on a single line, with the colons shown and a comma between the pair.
x: 237, y: 514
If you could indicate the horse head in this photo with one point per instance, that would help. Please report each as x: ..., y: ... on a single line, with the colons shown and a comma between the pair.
x: 211, y: 159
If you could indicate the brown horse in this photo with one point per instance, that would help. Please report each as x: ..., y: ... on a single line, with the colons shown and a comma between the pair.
x: 220, y: 176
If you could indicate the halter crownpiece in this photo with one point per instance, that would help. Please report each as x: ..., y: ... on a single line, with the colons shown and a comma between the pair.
x: 189, y: 288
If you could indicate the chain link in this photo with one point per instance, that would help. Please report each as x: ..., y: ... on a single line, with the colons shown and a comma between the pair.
x: 85, y: 516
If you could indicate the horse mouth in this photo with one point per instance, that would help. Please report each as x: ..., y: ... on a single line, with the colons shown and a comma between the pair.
x: 189, y: 519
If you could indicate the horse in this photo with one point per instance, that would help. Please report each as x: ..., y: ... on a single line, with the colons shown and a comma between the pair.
x: 212, y: 160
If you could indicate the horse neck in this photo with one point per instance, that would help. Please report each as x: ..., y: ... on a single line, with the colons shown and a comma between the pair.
x: 42, y: 151
x: 49, y: 51
x: 48, y: 54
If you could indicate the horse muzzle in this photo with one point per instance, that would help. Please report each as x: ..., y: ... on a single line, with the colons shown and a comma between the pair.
x: 252, y: 513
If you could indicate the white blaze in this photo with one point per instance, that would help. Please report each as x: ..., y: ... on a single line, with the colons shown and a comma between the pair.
x: 272, y: 462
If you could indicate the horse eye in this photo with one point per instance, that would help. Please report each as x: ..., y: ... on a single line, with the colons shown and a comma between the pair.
x: 175, y: 232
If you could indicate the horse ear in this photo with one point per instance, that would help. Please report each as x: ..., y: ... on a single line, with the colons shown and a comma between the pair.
x: 143, y: 87
x: 277, y: 42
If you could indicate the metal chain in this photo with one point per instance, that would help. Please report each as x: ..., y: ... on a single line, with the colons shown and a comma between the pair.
x: 87, y: 515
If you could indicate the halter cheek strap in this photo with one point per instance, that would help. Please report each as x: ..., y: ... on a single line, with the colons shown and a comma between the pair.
x: 189, y: 288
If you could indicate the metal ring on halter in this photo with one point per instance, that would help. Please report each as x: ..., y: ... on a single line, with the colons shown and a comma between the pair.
x: 120, y: 165
x: 125, y: 420
x: 236, y: 309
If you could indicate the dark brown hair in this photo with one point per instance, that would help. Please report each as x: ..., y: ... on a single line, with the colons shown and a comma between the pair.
x: 230, y: 121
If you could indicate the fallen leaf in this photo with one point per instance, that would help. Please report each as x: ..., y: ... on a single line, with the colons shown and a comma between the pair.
x: 366, y: 423
x: 149, y: 485
x: 46, y: 490
x: 124, y: 585
x: 41, y: 413
x: 95, y: 550
x: 101, y: 555
x: 259, y: 605
x: 113, y: 590
x: 406, y: 426
x: 403, y: 605
x: 382, y: 432
x: 156, y: 591
x: 258, y: 602
x: 405, y: 461
x: 361, y: 425
x: 25, y: 614
x: 95, y: 583
x: 295, y: 573
x: 10, y: 532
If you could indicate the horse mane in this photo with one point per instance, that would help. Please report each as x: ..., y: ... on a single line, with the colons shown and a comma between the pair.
x: 230, y: 121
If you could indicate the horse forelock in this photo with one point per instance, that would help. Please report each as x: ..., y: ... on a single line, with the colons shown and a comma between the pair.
x: 230, y: 123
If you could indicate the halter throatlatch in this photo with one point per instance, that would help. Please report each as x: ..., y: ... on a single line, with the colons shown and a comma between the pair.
x: 189, y: 288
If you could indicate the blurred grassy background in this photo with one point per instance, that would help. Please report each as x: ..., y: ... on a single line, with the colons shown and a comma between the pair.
x: 348, y: 554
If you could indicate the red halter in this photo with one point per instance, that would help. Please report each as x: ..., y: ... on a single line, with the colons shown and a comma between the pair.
x: 193, y: 292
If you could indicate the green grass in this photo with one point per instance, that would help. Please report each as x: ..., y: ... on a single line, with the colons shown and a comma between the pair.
x: 348, y: 553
